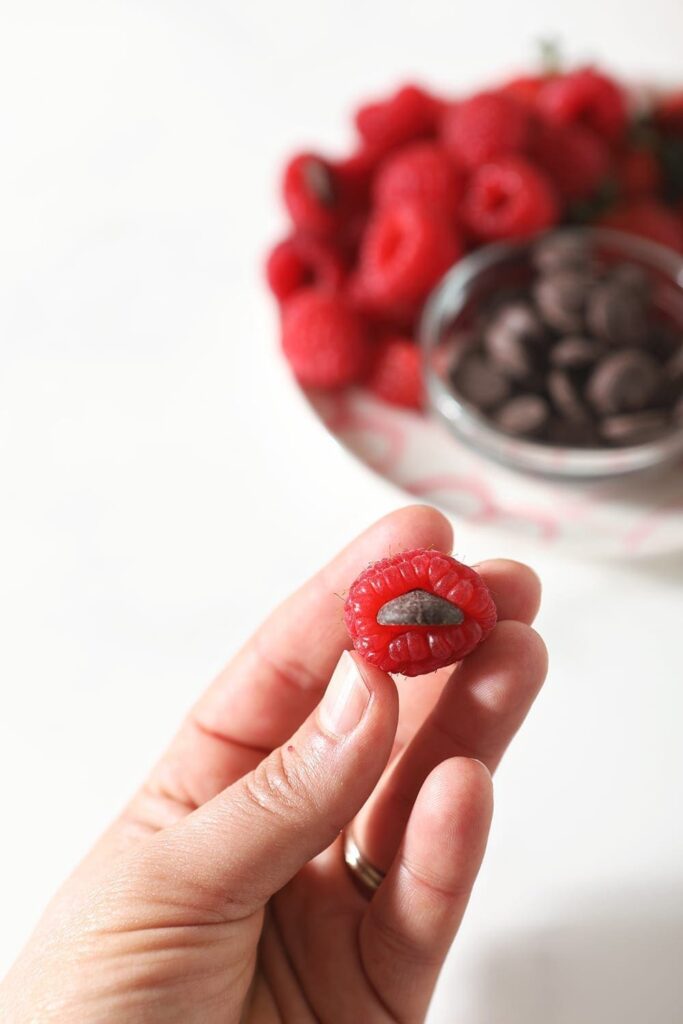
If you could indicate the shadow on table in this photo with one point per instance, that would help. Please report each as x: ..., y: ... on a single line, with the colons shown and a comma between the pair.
x: 620, y: 962
x: 665, y: 567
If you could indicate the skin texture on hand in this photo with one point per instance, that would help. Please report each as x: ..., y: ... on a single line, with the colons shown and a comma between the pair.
x: 220, y: 894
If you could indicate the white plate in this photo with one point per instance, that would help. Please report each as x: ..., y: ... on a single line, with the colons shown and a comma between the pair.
x: 639, y: 515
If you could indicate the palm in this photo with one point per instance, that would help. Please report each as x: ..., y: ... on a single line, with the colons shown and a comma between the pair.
x: 310, y: 957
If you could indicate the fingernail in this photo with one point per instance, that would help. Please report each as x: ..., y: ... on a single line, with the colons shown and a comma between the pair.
x: 345, y: 698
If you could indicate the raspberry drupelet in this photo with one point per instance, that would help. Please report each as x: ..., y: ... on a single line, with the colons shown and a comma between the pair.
x: 418, y: 611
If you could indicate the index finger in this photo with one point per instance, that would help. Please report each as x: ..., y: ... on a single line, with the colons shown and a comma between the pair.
x: 278, y: 677
x: 263, y: 695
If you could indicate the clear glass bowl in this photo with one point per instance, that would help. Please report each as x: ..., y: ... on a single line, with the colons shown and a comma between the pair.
x: 477, y: 278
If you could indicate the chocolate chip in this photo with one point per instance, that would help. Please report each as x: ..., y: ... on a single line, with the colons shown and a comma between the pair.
x: 581, y: 355
x: 663, y: 342
x: 572, y: 434
x: 623, y: 382
x: 525, y: 415
x: 566, y: 397
x: 562, y: 251
x: 480, y: 382
x: 634, y: 428
x: 419, y: 608
x: 510, y: 339
x: 630, y: 276
x: 561, y: 299
x: 674, y: 367
x: 618, y: 315
x: 574, y: 352
x: 320, y: 181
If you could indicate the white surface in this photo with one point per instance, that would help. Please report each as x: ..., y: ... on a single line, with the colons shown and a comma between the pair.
x: 156, y: 466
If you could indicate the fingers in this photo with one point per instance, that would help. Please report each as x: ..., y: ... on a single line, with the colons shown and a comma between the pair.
x: 265, y: 693
x: 230, y: 856
x: 279, y: 676
x: 413, y: 917
x: 516, y: 589
x: 479, y: 711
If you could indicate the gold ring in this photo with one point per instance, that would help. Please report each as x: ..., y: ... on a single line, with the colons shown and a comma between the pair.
x: 367, y: 877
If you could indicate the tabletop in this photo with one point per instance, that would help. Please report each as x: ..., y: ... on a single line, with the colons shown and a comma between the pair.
x: 154, y: 450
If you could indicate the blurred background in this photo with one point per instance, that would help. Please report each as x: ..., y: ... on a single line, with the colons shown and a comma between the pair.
x: 153, y: 451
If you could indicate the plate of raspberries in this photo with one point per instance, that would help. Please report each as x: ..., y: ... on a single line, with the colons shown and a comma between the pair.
x: 431, y: 179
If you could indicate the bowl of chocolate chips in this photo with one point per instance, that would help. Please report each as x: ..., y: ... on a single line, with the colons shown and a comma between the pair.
x: 563, y: 354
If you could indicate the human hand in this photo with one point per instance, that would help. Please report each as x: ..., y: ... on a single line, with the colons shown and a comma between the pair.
x: 221, y: 894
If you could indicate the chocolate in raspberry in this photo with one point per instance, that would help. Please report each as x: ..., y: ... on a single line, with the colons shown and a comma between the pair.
x: 312, y: 194
x: 418, y: 611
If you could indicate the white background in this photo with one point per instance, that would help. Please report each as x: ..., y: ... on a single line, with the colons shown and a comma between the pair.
x: 162, y: 485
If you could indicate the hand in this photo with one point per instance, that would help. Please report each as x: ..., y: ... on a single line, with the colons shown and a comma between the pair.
x: 221, y: 894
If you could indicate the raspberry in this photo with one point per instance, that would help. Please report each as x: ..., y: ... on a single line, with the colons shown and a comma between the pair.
x: 638, y: 173
x: 486, y: 126
x: 423, y: 172
x: 301, y: 262
x: 525, y: 88
x: 649, y: 219
x: 588, y: 98
x: 355, y: 174
x: 325, y: 341
x: 312, y: 194
x: 409, y: 114
x: 396, y: 372
x: 406, y: 249
x: 400, y: 316
x: 418, y: 611
x: 668, y: 114
x: 576, y: 159
x: 508, y: 198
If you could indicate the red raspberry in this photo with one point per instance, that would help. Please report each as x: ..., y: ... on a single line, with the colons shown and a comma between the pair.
x: 325, y: 342
x: 588, y: 98
x: 406, y: 249
x: 411, y: 113
x: 423, y: 172
x: 508, y: 198
x: 649, y: 219
x: 355, y: 174
x: 576, y: 159
x: 396, y: 372
x: 398, y: 318
x: 638, y: 173
x: 668, y: 114
x: 524, y: 88
x: 417, y: 612
x: 486, y: 126
x: 301, y: 262
x: 312, y: 194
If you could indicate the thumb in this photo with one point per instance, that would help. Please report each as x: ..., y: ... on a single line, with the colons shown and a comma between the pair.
x: 251, y: 839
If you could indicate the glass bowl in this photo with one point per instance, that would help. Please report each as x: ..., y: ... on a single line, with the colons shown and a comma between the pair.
x: 477, y: 279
